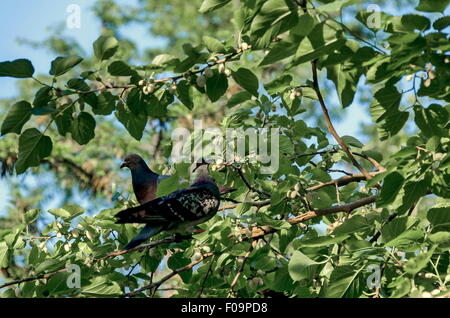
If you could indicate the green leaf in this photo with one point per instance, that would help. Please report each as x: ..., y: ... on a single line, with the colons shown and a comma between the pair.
x: 392, y: 184
x: 414, y: 190
x: 431, y: 120
x: 273, y: 12
x: 20, y: 68
x: 439, y: 216
x: 432, y: 5
x: 318, y: 52
x: 184, y: 94
x: 31, y: 215
x: 278, y: 84
x: 402, y: 287
x: 120, y: 68
x: 415, y: 22
x: 352, y: 141
x: 305, y: 24
x: 102, y: 287
x: 247, y: 80
x: 83, y: 128
x: 105, y: 47
x: 239, y: 98
x: 300, y: 266
x: 441, y: 23
x: 176, y: 261
x: 61, y: 65
x: 441, y: 238
x: 216, y: 86
x: 33, y: 147
x: 323, y: 240
x: 5, y: 255
x: 135, y: 124
x: 356, y: 223
x: 105, y: 103
x: 344, y: 282
x: 213, y: 45
x: 211, y: 5
x: 43, y: 96
x: 283, y: 49
x: 17, y: 116
x: 67, y: 212
x: 49, y: 265
x: 414, y: 265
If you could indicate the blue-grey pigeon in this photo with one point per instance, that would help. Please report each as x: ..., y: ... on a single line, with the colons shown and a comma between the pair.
x: 144, y: 180
x: 178, y: 211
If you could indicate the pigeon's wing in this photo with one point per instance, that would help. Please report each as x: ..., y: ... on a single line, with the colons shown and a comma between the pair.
x: 180, y: 206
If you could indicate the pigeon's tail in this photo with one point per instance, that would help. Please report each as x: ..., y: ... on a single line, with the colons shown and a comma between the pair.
x: 147, y: 232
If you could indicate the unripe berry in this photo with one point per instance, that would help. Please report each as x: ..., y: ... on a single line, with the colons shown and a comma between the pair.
x: 58, y: 235
x: 206, y: 249
x: 173, y: 89
x: 227, y: 72
x: 90, y: 235
x: 297, y: 187
x: 75, y: 233
x: 42, y: 245
x: 426, y: 295
x: 244, y: 46
x: 151, y: 88
x: 208, y: 72
x: 67, y: 247
x: 201, y: 81
x: 221, y: 68
x: 197, y: 256
x: 141, y: 83
x: 17, y: 292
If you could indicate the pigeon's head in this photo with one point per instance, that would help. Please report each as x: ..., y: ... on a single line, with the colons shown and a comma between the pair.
x: 132, y: 162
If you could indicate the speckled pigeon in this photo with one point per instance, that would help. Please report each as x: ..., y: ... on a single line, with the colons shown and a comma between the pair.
x: 178, y: 211
x: 144, y: 180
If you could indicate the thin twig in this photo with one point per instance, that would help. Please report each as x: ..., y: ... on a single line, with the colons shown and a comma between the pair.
x: 330, y: 124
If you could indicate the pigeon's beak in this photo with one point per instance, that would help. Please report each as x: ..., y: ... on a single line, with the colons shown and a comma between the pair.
x: 123, y: 165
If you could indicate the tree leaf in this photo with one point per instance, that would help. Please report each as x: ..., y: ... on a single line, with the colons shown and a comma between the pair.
x: 247, y: 80
x: 20, y: 68
x: 300, y: 266
x: 239, y: 98
x: 120, y: 68
x: 83, y: 128
x: 432, y: 6
x: 344, y: 281
x: 184, y: 94
x: 135, y: 124
x: 414, y: 265
x: 392, y: 184
x: 17, y: 116
x: 61, y: 65
x: 439, y: 216
x: 105, y: 47
x: 211, y: 5
x: 213, y: 45
x: 216, y: 86
x: 352, y: 141
x: 33, y: 147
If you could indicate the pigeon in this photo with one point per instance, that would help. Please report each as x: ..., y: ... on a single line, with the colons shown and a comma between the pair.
x: 177, y: 212
x: 145, y: 181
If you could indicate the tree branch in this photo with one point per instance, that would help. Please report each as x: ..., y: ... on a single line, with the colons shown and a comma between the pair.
x: 167, y: 277
x: 330, y: 124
